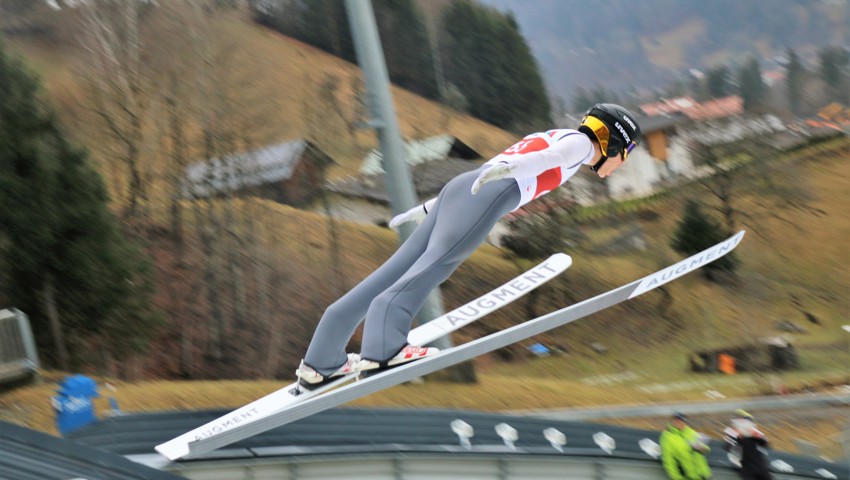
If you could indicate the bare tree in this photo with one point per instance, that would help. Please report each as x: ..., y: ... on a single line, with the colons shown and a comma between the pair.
x: 111, y: 35
x: 743, y: 163
x: 229, y: 111
x: 56, y: 329
x: 323, y: 115
x: 751, y: 168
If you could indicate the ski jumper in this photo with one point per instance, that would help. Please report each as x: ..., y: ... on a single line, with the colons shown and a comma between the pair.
x: 456, y: 224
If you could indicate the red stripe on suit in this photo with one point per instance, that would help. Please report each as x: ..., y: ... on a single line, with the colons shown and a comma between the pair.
x: 548, y: 181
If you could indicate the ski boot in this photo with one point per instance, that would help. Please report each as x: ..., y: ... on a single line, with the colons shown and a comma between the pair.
x: 407, y: 354
x: 310, y: 379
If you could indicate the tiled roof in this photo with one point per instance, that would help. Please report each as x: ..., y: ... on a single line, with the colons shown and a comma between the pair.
x: 29, y: 455
x: 422, y: 151
x: 717, y: 108
x: 428, y: 179
x: 668, y: 106
x: 269, y: 164
x: 658, y: 122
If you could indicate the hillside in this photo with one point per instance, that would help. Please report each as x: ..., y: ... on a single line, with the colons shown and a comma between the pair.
x: 278, y: 78
x: 646, y: 360
x: 662, y: 39
x: 793, y: 266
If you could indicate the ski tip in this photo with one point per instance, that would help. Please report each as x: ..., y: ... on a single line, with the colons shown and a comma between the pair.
x: 687, y: 265
x: 563, y: 260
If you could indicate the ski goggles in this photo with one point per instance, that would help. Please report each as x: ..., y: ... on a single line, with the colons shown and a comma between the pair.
x: 600, y: 130
x: 611, y: 147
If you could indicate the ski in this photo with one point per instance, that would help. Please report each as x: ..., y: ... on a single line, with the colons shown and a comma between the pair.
x: 419, y: 336
x: 465, y: 351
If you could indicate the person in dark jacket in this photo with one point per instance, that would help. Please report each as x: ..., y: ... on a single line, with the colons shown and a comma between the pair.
x: 749, y: 444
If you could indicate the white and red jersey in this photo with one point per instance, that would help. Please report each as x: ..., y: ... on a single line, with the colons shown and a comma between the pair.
x: 545, y: 160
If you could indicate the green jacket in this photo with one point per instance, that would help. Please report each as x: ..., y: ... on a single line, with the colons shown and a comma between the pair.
x: 680, y: 458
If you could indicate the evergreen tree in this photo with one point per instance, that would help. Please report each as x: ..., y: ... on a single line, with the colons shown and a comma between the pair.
x: 490, y: 63
x: 718, y: 82
x: 697, y: 87
x: 324, y: 24
x: 405, y: 45
x: 71, y: 269
x: 581, y: 100
x: 752, y: 87
x: 795, y: 78
x: 584, y: 99
x: 696, y: 232
x: 834, y: 71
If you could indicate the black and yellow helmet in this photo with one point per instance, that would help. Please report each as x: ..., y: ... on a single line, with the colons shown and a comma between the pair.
x: 614, y: 127
x: 743, y: 414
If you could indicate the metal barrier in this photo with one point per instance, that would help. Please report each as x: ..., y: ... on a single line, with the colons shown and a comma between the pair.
x: 18, y: 356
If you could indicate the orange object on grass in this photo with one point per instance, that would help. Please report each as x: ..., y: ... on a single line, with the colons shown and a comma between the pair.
x: 726, y: 364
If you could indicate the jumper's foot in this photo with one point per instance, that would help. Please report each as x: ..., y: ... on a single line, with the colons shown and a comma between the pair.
x: 405, y: 355
x: 310, y: 379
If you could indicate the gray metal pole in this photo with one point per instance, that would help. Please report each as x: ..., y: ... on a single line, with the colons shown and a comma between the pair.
x: 399, y: 183
x: 370, y: 56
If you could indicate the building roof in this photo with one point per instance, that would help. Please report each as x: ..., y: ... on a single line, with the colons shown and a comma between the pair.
x: 394, y: 430
x: 668, y: 106
x: 269, y: 164
x: 422, y: 151
x: 717, y: 108
x: 735, y: 128
x: 659, y: 122
x: 428, y: 179
x: 29, y: 455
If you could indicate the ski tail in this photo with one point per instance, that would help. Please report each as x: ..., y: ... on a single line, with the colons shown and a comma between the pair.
x: 424, y: 334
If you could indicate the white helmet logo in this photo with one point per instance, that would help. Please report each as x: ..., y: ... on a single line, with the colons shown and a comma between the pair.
x: 623, y: 132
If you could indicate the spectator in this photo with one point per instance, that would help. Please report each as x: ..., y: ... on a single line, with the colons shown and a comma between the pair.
x: 749, y: 444
x: 683, y: 451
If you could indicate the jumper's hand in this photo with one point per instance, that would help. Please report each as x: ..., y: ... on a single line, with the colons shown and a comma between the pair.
x: 496, y: 172
x: 415, y: 214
